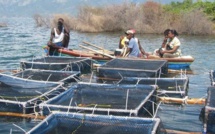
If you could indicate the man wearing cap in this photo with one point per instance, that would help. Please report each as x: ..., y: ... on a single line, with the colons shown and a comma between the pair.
x: 134, y: 47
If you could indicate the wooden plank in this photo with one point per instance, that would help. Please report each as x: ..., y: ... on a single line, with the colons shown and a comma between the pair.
x: 194, y: 101
x: 21, y: 115
x: 169, y: 131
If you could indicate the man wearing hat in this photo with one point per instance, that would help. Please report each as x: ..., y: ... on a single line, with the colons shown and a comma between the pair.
x: 134, y: 47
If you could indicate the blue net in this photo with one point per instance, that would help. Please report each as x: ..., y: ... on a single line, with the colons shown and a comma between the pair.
x: 22, y: 100
x: 84, y: 65
x: 209, y: 113
x: 118, y: 68
x: 38, y: 78
x: 104, y: 99
x: 74, y: 123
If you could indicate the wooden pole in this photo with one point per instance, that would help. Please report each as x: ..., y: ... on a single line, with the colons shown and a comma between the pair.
x: 199, y: 101
x: 169, y: 131
x: 97, y: 47
x: 21, y: 115
x: 107, y: 55
x: 13, y: 71
x: 179, y: 71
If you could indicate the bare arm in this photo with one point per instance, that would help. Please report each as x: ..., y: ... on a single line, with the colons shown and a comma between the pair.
x: 141, y: 49
x: 164, y: 42
x: 120, y: 45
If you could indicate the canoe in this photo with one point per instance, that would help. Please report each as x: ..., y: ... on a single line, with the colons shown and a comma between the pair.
x: 173, y: 63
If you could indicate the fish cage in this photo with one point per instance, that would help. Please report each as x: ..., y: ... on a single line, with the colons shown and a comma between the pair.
x: 22, y: 100
x: 34, y: 78
x: 16, y: 125
x: 212, y: 77
x: 67, y: 123
x: 209, y: 113
x: 118, y: 68
x: 106, y: 99
x: 84, y: 65
x: 169, y: 87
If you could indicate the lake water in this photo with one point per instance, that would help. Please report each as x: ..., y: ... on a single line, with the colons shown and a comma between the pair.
x: 23, y: 40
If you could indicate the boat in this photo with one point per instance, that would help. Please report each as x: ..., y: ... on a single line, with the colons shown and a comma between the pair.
x: 182, y: 62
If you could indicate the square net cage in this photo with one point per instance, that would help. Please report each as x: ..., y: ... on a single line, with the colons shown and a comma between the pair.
x: 16, y: 125
x: 34, y: 78
x: 169, y: 87
x: 69, y: 123
x: 22, y: 100
x: 84, y: 65
x: 118, y: 68
x: 209, y: 113
x: 106, y: 99
x: 212, y: 77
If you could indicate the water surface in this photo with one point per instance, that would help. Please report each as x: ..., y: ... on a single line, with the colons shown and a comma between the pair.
x: 23, y: 40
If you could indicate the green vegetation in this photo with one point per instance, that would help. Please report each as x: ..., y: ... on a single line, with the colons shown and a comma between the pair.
x: 186, y: 17
x: 188, y: 5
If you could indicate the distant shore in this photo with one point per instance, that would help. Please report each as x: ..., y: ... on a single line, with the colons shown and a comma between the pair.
x: 187, y: 17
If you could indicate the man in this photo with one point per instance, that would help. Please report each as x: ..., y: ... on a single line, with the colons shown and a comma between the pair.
x: 134, y: 47
x: 59, y: 38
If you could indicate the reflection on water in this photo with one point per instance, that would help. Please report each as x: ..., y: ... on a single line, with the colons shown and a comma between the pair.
x: 22, y: 40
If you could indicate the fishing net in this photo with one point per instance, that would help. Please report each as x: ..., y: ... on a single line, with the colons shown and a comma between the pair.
x: 104, y: 99
x: 74, y: 123
x: 15, y: 125
x: 84, y: 65
x: 24, y: 100
x: 33, y: 78
x: 118, y: 68
x: 169, y: 87
x: 175, y: 117
x: 209, y: 113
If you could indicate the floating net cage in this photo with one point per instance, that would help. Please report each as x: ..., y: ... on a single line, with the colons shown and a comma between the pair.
x: 68, y: 123
x: 33, y: 78
x: 212, y: 77
x: 175, y: 117
x: 16, y: 125
x: 209, y: 113
x: 118, y: 68
x: 169, y: 87
x: 106, y: 99
x: 22, y: 100
x: 84, y: 65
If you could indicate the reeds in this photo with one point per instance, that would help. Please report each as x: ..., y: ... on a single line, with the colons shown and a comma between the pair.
x: 149, y: 17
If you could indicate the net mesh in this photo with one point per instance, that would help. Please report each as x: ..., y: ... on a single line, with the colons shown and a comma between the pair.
x: 92, y: 124
x: 84, y: 65
x: 210, y: 110
x: 22, y: 100
x: 39, y: 78
x: 45, y: 75
x: 104, y: 99
x: 118, y: 68
x: 172, y: 87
